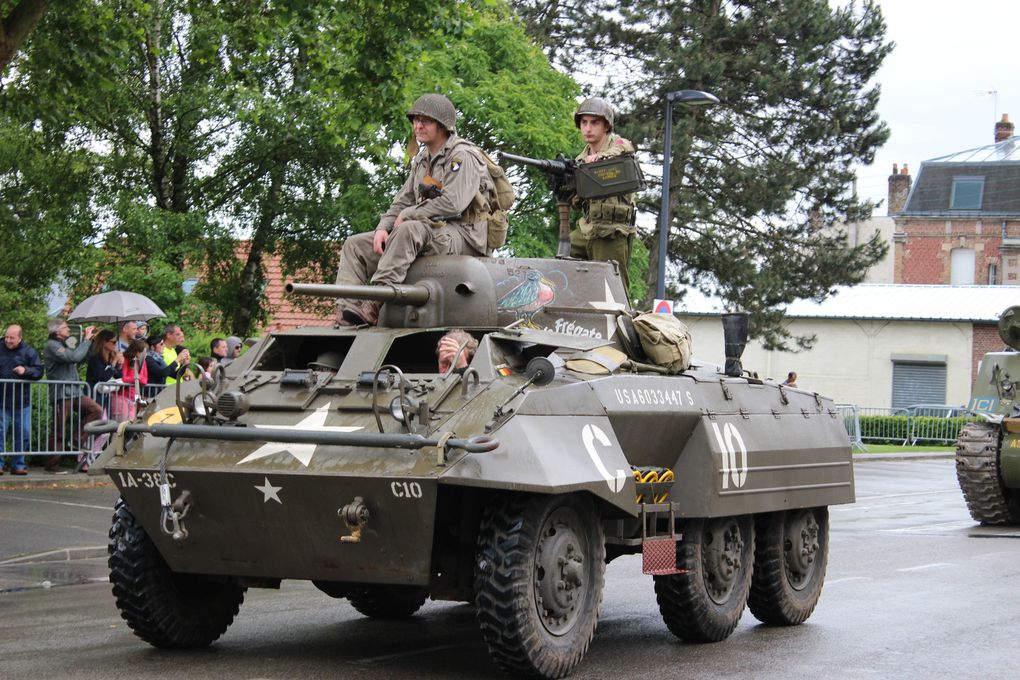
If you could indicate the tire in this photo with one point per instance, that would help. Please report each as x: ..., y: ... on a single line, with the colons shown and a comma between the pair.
x: 538, y: 581
x: 164, y: 608
x: 977, y: 471
x: 387, y: 602
x: 705, y: 603
x: 791, y: 553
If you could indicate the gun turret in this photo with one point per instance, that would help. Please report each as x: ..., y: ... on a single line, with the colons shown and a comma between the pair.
x: 1009, y: 327
x: 474, y: 292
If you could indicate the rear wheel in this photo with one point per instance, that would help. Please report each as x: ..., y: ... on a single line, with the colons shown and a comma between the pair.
x: 790, y: 556
x: 704, y: 604
x: 977, y: 470
x: 164, y: 608
x: 538, y: 581
x: 387, y: 602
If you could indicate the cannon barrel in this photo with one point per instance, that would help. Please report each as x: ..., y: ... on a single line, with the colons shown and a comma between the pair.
x: 397, y: 293
x: 555, y: 167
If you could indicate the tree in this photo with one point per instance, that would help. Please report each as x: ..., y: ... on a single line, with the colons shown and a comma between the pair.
x: 759, y: 183
x: 17, y: 19
x: 214, y: 129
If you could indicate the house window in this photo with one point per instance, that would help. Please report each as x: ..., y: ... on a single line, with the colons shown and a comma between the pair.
x: 918, y: 379
x: 188, y: 285
x: 967, y: 192
x: 962, y: 264
x: 993, y: 274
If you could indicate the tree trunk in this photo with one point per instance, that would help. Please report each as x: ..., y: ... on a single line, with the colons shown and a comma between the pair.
x: 15, y: 27
x: 252, y: 284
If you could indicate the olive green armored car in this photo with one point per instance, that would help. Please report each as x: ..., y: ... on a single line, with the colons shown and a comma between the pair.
x: 342, y: 456
x: 988, y: 451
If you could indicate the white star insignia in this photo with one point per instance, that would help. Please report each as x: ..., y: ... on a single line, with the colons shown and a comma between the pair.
x: 609, y: 304
x: 270, y: 491
x: 303, y: 452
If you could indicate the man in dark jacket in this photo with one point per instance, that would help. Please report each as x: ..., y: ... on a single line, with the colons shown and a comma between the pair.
x: 61, y: 360
x: 19, y: 364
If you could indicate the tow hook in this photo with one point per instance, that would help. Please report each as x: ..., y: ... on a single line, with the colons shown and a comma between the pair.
x: 355, y: 516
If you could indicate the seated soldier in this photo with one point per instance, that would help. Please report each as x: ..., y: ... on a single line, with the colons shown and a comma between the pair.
x: 430, y: 215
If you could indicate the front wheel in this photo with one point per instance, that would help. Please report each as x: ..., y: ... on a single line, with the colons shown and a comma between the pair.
x: 387, y: 602
x: 790, y: 557
x: 539, y: 573
x: 706, y: 601
x: 164, y: 608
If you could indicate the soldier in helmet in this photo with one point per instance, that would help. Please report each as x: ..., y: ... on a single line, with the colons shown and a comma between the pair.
x: 434, y: 213
x: 606, y: 229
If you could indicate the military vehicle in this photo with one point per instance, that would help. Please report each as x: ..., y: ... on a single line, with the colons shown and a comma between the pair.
x: 988, y: 451
x: 343, y: 457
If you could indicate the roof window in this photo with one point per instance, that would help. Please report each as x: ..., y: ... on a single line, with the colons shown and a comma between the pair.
x: 967, y: 193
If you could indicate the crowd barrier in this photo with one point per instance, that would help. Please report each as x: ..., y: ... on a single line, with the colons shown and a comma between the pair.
x: 917, y: 424
x: 55, y: 411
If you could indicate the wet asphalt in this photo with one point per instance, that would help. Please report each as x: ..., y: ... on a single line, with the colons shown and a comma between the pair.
x: 914, y: 589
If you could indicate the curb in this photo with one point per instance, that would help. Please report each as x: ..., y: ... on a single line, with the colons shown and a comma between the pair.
x: 59, y: 555
x: 40, y: 479
x: 920, y: 455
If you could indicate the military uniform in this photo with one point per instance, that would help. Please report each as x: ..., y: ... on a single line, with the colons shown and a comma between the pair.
x: 453, y: 221
x: 606, y: 229
x: 431, y: 226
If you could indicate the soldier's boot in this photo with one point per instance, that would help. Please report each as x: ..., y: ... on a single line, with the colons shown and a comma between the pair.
x: 364, y: 313
x: 340, y: 320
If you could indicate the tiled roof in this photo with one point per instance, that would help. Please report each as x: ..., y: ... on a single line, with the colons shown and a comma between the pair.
x: 898, y: 302
x: 284, y: 310
x: 997, y: 165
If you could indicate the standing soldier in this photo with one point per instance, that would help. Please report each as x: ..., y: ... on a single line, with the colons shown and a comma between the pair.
x: 606, y: 229
x: 434, y: 213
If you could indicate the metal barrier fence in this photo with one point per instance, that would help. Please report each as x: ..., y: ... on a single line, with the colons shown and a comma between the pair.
x: 928, y: 423
x: 45, y: 418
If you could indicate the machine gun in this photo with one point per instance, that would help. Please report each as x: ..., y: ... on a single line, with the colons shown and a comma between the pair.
x: 613, y: 176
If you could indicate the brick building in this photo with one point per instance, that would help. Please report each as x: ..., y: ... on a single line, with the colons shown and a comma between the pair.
x: 959, y: 223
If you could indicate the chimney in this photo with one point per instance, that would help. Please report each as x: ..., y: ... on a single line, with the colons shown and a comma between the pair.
x: 899, y: 187
x: 1003, y: 129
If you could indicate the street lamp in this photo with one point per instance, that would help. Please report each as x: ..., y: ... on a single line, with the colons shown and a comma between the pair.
x: 684, y: 98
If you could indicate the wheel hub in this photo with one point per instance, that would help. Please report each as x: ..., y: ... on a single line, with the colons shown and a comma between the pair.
x: 722, y: 547
x: 560, y: 572
x: 800, y: 547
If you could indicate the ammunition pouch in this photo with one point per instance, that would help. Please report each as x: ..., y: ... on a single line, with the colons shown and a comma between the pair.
x: 665, y: 339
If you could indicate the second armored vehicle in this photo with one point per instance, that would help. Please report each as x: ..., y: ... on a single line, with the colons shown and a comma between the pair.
x: 988, y: 452
x: 345, y: 458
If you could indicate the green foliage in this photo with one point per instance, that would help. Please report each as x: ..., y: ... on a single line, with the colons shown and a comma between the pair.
x: 760, y: 182
x: 181, y: 128
x: 910, y: 429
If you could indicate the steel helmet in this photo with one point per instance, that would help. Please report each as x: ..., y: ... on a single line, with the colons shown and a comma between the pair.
x: 438, y: 108
x: 594, y: 106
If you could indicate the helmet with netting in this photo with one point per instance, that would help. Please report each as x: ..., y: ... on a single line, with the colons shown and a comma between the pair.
x: 438, y: 108
x: 594, y: 106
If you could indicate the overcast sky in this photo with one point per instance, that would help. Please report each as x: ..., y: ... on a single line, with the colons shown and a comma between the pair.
x: 935, y: 85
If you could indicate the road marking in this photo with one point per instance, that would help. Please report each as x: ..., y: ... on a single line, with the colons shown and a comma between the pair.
x: 413, y: 652
x: 847, y: 580
x: 923, y: 567
x: 73, y: 505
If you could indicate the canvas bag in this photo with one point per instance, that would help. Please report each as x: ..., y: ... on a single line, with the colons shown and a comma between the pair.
x: 504, y: 197
x: 665, y: 339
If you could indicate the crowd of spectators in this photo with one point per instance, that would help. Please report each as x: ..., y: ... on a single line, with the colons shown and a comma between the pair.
x: 120, y: 366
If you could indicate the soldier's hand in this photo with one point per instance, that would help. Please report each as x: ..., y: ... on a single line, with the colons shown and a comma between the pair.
x: 379, y: 241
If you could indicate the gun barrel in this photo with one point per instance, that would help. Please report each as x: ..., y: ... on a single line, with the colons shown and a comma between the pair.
x: 551, y: 166
x: 399, y: 293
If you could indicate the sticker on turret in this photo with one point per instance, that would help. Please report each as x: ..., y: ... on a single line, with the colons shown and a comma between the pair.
x: 983, y: 404
x: 589, y: 435
x: 730, y: 443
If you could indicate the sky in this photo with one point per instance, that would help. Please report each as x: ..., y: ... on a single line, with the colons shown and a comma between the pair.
x: 936, y: 84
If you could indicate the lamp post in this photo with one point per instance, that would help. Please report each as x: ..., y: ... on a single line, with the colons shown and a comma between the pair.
x: 684, y: 98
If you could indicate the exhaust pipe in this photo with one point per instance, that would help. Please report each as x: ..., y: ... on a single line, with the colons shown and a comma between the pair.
x: 735, y: 339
